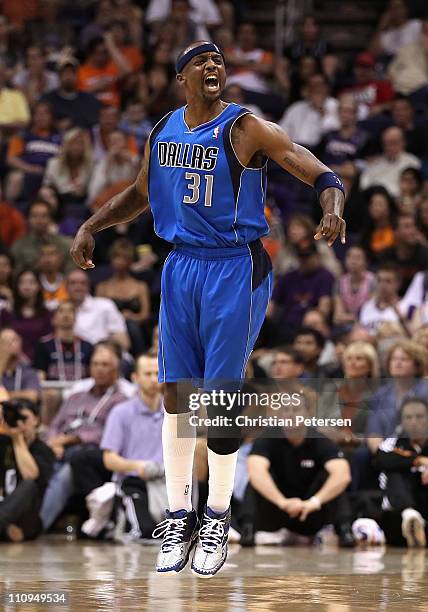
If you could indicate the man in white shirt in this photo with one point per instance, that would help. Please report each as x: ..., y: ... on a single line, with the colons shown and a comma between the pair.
x: 307, y: 121
x: 386, y: 169
x: 96, y: 318
x: 385, y: 305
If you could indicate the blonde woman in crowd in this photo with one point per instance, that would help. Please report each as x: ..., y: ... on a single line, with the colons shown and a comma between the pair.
x: 70, y: 171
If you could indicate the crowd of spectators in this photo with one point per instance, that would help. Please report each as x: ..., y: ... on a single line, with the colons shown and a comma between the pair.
x: 81, y: 86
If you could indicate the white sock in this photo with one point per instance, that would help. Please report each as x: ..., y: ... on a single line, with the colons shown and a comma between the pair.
x: 221, y: 478
x: 178, y: 460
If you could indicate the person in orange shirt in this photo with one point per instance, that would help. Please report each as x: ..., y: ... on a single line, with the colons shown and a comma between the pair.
x: 378, y: 233
x: 49, y: 266
x: 104, y: 67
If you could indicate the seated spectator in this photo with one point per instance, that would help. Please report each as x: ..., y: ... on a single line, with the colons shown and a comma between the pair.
x: 132, y: 297
x: 385, y: 304
x: 97, y: 318
x: 6, y: 268
x: 310, y: 42
x: 248, y: 64
x: 354, y: 288
x: 26, y: 250
x: 136, y: 124
x: 132, y: 449
x: 300, y: 228
x: 406, y: 366
x: 361, y: 373
x: 28, y: 317
x: 62, y: 355
x: 409, y: 254
x: 104, y: 66
x: 70, y: 172
x: 377, y: 232
x: 293, y: 79
x: 409, y: 69
x: 309, y: 286
x: 298, y: 477
x: 395, y: 29
x: 71, y: 107
x: 12, y: 224
x: 79, y: 424
x: 119, y: 164
x: 415, y: 127
x: 307, y: 121
x: 28, y: 155
x: 14, y: 111
x: 287, y: 364
x: 411, y: 182
x: 316, y: 320
x: 403, y: 461
x: 35, y: 80
x: 25, y: 469
x: 109, y: 123
x: 348, y: 141
x: 386, y: 169
x: 309, y: 344
x: 17, y: 379
x: 371, y: 94
x: 52, y: 281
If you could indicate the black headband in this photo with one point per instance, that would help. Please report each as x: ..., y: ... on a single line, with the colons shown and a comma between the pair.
x: 184, y: 59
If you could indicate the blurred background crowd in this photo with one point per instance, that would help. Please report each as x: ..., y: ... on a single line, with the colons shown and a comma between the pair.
x: 81, y: 85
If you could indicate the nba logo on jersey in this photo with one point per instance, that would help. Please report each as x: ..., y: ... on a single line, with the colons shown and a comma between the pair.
x: 216, y: 132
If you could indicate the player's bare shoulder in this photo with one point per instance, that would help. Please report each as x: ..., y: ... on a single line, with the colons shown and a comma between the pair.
x: 247, y: 141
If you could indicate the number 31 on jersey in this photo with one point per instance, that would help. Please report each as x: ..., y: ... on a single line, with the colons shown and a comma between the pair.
x: 194, y: 186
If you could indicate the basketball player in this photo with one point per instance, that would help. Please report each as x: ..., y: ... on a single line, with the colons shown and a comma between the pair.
x: 204, y: 177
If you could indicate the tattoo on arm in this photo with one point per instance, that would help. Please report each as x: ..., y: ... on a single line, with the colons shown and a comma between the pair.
x: 300, y: 168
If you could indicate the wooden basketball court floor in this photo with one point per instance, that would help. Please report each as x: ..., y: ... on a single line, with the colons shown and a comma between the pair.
x: 109, y: 577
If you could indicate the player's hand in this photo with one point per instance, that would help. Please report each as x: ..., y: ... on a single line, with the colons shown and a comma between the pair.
x: 308, y: 506
x: 330, y: 228
x: 83, y: 248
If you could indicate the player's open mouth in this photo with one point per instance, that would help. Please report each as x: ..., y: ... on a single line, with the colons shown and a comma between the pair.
x: 211, y: 82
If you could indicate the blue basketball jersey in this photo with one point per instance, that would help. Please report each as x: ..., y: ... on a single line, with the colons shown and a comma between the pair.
x: 199, y: 192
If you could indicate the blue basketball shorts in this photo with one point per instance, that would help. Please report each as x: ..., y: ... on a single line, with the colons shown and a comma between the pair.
x: 213, y: 303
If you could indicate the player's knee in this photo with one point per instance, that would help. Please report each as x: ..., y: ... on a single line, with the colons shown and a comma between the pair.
x: 223, y: 446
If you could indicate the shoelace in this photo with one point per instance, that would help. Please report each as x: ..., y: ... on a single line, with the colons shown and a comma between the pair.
x: 173, y: 530
x: 211, y: 534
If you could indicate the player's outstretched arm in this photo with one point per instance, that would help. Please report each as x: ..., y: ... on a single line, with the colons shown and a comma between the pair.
x: 272, y: 141
x: 122, y: 208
